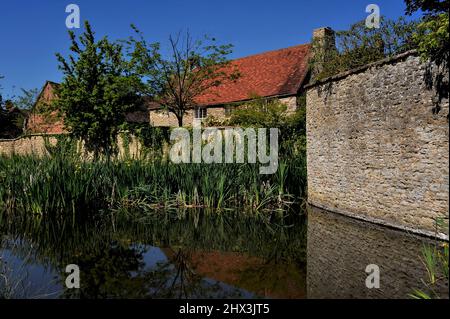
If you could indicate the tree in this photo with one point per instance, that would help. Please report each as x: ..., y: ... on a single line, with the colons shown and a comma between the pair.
x: 432, y: 35
x: 432, y: 7
x: 360, y: 45
x: 191, y: 68
x: 432, y: 38
x: 26, y: 100
x: 96, y: 92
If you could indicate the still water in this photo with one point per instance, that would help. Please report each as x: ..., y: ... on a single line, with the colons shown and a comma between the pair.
x: 200, y: 255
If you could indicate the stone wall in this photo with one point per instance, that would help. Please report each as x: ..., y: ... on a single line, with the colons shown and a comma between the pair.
x: 128, y: 145
x: 378, y: 148
x: 28, y: 145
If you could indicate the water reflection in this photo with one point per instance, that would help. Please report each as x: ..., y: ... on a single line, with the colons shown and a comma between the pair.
x: 340, y: 248
x: 200, y: 256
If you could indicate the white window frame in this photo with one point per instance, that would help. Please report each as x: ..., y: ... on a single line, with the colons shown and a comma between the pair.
x: 200, y: 113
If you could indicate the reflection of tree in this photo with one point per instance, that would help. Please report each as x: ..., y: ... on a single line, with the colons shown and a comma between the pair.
x: 107, y: 272
x: 112, y: 267
x: 184, y: 282
x: 118, y: 271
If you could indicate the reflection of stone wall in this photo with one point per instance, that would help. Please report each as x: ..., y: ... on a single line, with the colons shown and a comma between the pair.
x: 377, y: 148
x: 339, y: 249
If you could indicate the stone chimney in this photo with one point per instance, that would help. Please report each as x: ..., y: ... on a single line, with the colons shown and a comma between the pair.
x: 324, y: 46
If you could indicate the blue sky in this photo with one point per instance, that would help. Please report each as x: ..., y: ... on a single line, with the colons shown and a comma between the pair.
x: 31, y: 32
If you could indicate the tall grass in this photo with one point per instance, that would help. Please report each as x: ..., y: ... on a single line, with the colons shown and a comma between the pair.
x: 61, y: 184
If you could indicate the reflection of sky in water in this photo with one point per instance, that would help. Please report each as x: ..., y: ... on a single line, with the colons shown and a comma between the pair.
x: 39, y: 281
x: 29, y: 279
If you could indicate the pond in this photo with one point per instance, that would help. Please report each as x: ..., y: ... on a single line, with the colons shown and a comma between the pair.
x: 207, y: 255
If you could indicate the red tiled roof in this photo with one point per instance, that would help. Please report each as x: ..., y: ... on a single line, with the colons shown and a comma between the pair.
x: 273, y: 73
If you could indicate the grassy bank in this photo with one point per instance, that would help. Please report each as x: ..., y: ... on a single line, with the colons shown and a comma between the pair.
x: 63, y: 184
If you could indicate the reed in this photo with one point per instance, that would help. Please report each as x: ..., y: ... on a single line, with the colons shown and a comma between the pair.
x: 60, y: 184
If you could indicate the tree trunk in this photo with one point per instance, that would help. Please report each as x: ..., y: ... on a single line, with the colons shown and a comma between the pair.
x: 180, y: 120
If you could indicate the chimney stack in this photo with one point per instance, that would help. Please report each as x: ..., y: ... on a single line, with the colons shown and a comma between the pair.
x: 324, y: 46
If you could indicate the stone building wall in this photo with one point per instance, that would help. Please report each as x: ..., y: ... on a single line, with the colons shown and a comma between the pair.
x: 378, y: 148
x: 166, y: 118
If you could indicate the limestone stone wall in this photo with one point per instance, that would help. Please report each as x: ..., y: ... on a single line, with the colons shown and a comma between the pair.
x: 378, y: 147
x: 291, y: 103
x: 128, y: 145
x: 28, y: 145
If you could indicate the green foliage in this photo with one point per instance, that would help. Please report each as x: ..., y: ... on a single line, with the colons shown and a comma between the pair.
x: 60, y: 184
x: 12, y: 119
x: 360, y: 45
x: 263, y: 113
x: 191, y: 68
x: 26, y: 100
x: 432, y: 38
x: 96, y: 92
x: 432, y: 41
x: 435, y: 259
x: 260, y: 112
x: 427, y: 6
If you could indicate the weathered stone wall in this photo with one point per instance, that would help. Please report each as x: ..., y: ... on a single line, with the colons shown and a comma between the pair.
x: 28, y: 145
x: 339, y: 249
x: 128, y: 145
x: 377, y: 147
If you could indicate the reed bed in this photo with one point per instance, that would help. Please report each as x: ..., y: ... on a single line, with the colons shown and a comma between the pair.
x: 59, y: 184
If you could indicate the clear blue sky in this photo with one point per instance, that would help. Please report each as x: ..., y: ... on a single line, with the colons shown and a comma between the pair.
x: 31, y: 32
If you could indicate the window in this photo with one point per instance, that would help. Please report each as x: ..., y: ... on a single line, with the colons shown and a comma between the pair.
x: 200, y: 113
x: 228, y: 110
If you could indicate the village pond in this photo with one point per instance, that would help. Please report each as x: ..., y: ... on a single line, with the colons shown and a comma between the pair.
x: 207, y: 255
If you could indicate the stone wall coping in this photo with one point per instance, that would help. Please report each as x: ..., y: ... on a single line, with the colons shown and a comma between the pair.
x: 361, y: 69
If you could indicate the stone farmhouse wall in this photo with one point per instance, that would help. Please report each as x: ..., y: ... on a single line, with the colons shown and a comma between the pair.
x: 378, y: 146
x: 166, y: 118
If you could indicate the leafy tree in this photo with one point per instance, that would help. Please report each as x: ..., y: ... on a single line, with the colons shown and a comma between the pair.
x: 432, y: 35
x: 432, y: 40
x: 26, y: 100
x: 2, y: 114
x: 191, y: 68
x: 260, y: 112
x: 360, y: 45
x: 8, y: 127
x: 263, y: 113
x: 428, y: 6
x: 96, y: 92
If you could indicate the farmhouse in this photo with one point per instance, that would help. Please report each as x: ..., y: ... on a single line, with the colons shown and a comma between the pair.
x: 279, y: 74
